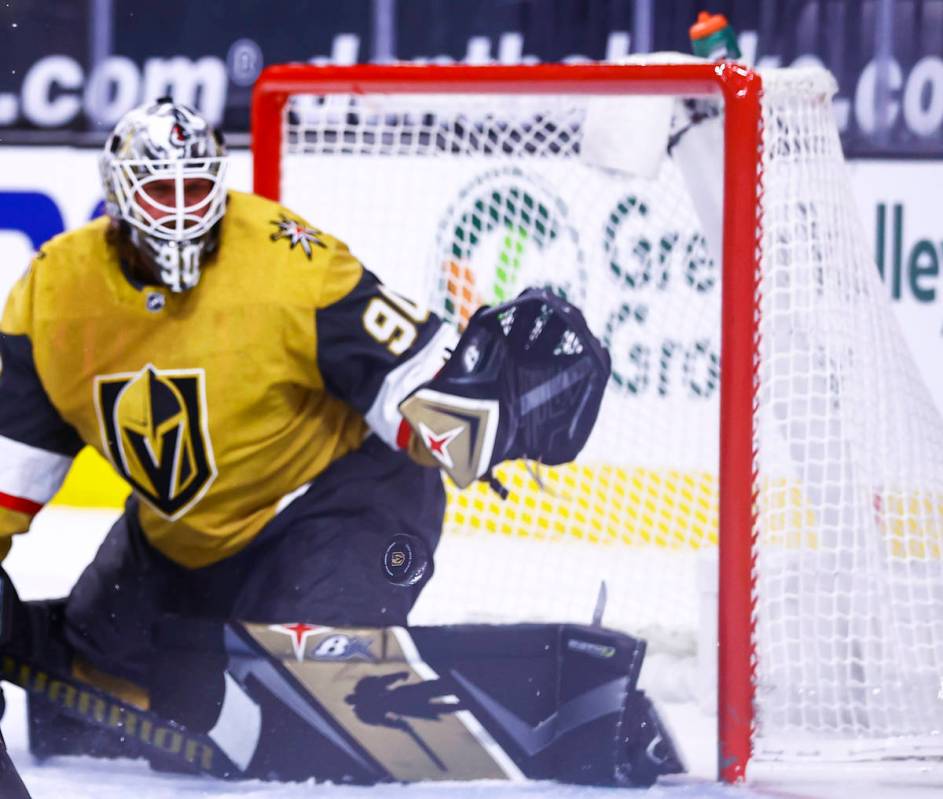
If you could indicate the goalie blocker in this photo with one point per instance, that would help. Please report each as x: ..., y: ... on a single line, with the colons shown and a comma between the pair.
x: 525, y: 381
x: 298, y: 701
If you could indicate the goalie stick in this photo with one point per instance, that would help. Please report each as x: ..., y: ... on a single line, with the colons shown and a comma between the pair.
x: 27, y: 628
x: 135, y: 731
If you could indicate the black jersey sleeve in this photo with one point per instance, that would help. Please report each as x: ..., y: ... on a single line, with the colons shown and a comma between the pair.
x: 36, y: 445
x: 26, y: 414
x: 375, y: 347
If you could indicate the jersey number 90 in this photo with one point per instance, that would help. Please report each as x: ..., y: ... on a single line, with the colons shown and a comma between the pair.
x: 392, y: 319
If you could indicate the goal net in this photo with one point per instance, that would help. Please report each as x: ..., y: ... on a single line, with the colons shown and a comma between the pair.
x: 763, y: 412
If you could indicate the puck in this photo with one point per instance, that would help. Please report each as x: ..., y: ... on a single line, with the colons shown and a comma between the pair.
x: 405, y: 560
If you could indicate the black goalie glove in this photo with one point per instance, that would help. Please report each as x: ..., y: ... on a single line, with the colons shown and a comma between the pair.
x: 525, y: 381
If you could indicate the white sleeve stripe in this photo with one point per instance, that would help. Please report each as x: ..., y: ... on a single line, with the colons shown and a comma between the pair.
x: 384, y: 416
x: 30, y: 472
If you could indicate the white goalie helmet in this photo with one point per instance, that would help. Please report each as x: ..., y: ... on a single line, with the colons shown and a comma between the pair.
x: 163, y: 171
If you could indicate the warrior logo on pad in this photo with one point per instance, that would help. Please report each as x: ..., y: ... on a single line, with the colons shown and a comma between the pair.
x: 154, y: 430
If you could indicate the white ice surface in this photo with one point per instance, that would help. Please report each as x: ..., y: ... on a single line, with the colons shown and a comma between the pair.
x: 47, y: 561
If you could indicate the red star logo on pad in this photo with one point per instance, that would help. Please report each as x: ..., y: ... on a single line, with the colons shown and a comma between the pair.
x: 299, y: 632
x: 438, y: 443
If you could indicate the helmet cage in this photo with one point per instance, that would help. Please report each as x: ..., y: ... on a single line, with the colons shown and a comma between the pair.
x: 178, y: 222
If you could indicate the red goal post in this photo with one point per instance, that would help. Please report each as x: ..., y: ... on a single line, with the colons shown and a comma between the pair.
x: 740, y: 90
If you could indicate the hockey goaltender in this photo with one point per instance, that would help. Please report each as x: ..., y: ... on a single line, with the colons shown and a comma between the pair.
x: 282, y: 418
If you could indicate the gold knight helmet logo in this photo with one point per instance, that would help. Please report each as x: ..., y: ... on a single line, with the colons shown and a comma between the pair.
x: 154, y: 429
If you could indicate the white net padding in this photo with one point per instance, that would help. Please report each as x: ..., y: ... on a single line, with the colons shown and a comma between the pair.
x: 458, y: 200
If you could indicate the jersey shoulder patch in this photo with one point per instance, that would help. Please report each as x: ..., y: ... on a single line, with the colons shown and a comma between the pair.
x: 316, y: 260
x: 289, y: 233
x: 268, y: 251
x: 297, y: 234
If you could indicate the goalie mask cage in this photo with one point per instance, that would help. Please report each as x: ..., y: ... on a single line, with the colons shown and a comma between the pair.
x: 763, y: 406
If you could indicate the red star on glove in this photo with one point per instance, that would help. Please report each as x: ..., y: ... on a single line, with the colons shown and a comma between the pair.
x: 438, y: 443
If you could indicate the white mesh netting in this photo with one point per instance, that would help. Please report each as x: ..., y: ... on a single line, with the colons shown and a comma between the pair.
x: 464, y: 199
x: 850, y: 460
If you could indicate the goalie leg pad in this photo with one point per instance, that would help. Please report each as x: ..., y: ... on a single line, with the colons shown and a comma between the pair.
x: 298, y: 701
x: 368, y: 705
x: 649, y: 748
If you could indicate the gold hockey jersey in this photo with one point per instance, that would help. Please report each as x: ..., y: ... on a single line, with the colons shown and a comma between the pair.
x: 215, y: 404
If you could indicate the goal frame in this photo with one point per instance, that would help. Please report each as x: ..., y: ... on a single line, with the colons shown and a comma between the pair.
x: 740, y: 89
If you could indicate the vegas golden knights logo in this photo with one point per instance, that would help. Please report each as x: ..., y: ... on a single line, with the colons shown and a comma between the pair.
x: 154, y: 428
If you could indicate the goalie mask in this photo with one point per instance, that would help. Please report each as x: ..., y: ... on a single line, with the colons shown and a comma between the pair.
x: 163, y: 171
